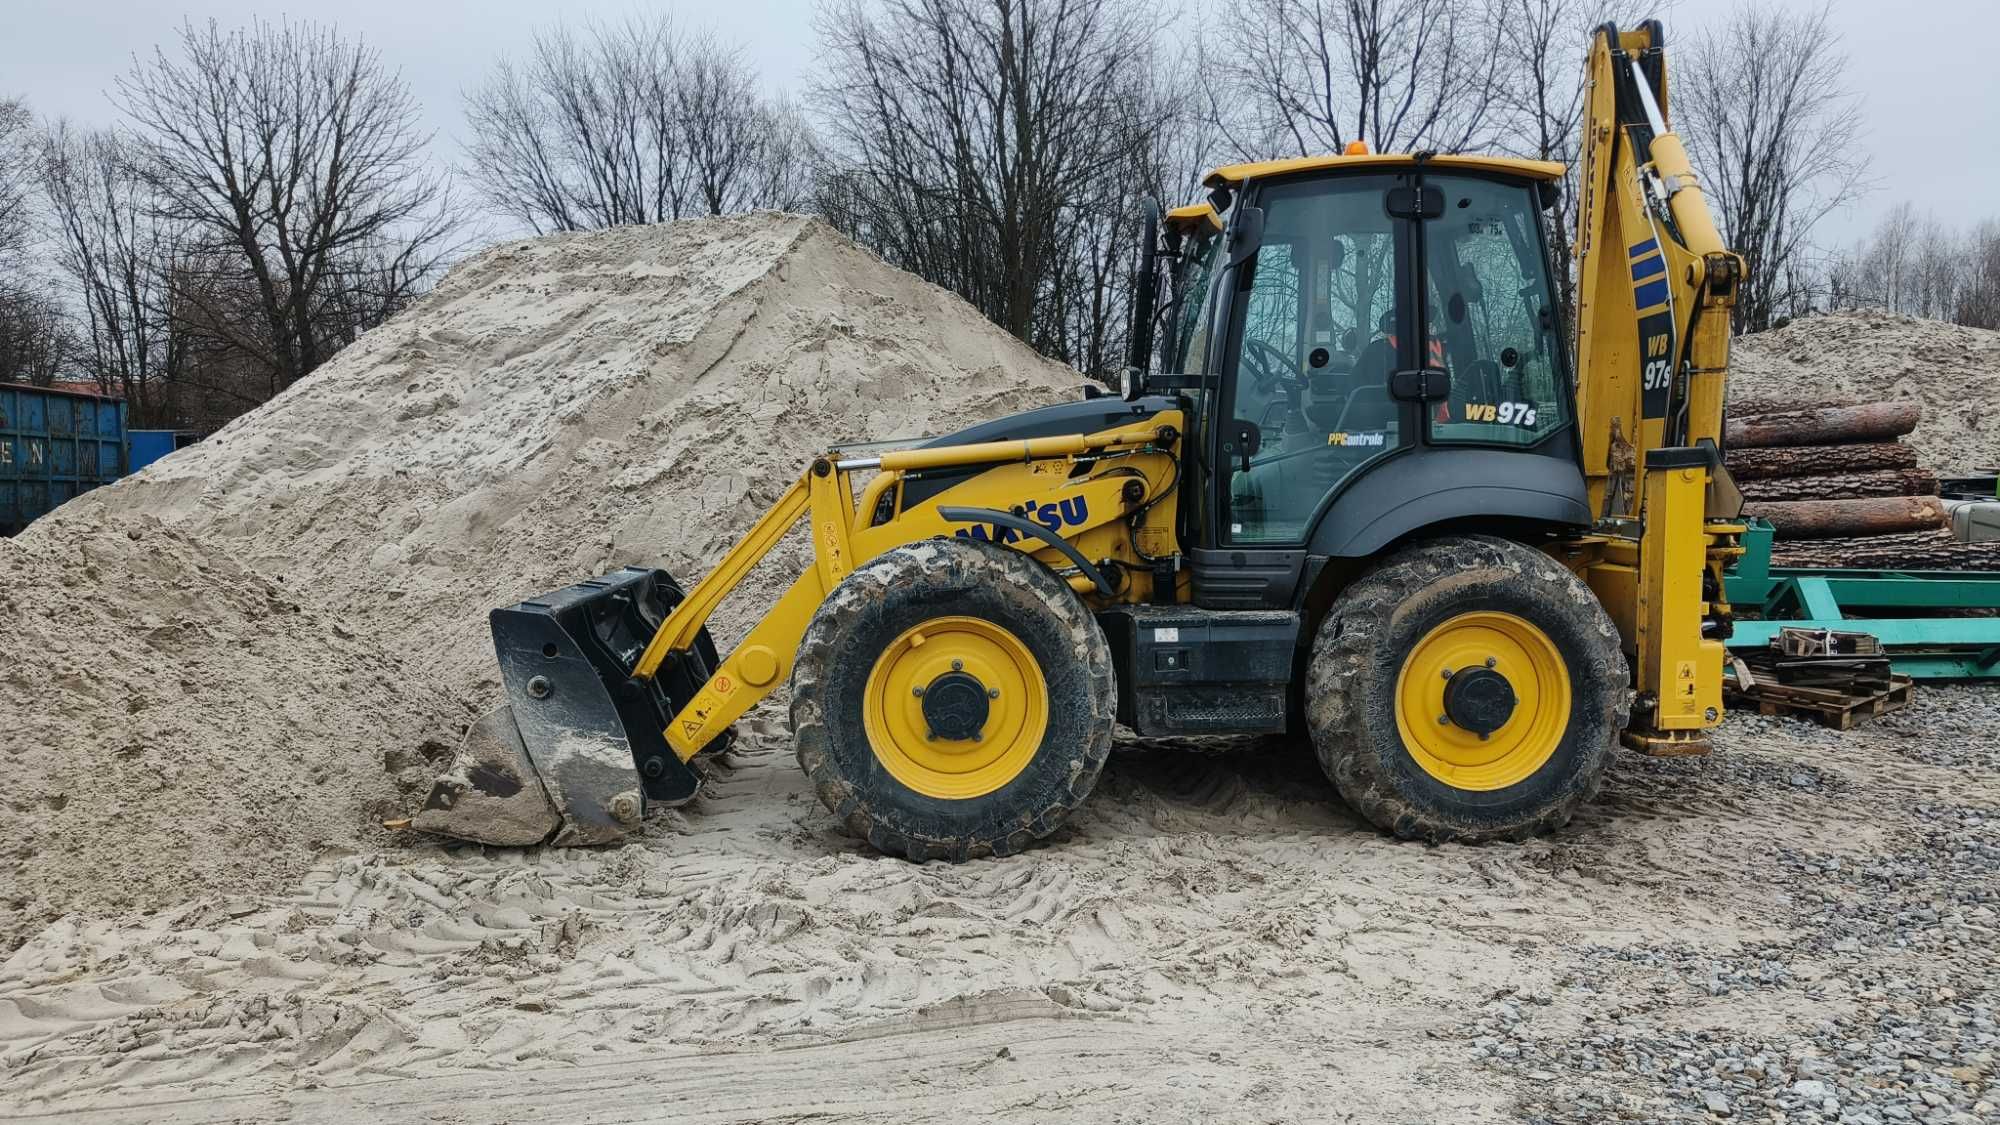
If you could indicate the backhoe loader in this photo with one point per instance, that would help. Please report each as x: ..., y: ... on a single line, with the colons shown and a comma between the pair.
x: 1361, y: 485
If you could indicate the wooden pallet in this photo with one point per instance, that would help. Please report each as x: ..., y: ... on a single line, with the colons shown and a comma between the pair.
x: 1837, y: 709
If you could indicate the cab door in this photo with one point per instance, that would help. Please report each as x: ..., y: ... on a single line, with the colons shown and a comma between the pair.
x: 1306, y: 339
x: 1306, y: 401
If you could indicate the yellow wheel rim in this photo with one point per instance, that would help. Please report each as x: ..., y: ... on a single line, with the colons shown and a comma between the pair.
x: 1532, y: 667
x: 1016, y: 699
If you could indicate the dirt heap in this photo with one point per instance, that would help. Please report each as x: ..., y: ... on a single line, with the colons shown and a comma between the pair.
x: 1869, y: 355
x: 247, y: 653
x: 562, y: 406
x: 177, y: 725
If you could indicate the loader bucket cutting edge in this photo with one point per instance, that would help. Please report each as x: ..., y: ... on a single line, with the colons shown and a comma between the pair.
x: 579, y: 749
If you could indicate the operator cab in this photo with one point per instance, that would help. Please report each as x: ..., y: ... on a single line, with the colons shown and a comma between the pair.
x: 1341, y: 317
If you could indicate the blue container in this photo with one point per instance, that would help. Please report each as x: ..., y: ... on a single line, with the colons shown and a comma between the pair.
x: 55, y: 445
x: 148, y: 446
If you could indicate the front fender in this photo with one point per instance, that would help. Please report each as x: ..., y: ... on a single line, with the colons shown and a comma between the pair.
x: 1411, y: 493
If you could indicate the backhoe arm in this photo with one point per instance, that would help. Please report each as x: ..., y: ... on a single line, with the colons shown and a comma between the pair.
x: 1655, y: 288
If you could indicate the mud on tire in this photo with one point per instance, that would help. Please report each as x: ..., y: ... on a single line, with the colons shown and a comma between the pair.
x: 1359, y: 651
x: 897, y: 591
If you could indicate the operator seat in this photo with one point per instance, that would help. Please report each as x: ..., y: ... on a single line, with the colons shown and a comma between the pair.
x: 1368, y: 405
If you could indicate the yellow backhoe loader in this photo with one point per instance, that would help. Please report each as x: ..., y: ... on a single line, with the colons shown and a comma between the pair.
x: 1361, y: 484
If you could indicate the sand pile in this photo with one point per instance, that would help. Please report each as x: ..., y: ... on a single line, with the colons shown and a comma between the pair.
x: 566, y: 405
x: 1869, y: 355
x: 249, y: 652
x: 177, y: 725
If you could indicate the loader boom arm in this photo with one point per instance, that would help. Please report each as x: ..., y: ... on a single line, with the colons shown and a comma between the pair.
x: 824, y: 496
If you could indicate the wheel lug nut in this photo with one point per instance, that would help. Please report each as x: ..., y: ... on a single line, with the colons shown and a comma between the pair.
x: 1444, y: 720
x: 958, y: 665
x: 918, y: 691
x: 993, y: 693
x: 1490, y: 662
x: 1446, y: 673
x: 930, y: 735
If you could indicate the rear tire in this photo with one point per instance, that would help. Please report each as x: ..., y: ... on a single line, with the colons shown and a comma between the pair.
x: 1426, y: 622
x: 951, y: 700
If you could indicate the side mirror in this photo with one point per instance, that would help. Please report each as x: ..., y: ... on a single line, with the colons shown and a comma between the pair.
x: 1246, y: 234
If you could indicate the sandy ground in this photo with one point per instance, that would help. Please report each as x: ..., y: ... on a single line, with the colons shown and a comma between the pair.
x: 1215, y: 938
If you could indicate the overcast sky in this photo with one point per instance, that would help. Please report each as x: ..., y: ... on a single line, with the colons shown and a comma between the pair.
x: 1924, y: 67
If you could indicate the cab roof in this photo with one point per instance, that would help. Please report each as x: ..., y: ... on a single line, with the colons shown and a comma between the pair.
x: 1233, y: 174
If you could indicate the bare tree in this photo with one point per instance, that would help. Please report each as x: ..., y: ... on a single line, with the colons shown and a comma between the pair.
x: 630, y: 123
x: 37, y: 342
x: 1085, y: 319
x: 1538, y: 101
x: 1979, y: 299
x: 968, y: 135
x: 1401, y: 75
x: 1912, y: 263
x: 1763, y: 104
x: 292, y: 160
x: 120, y: 261
x: 15, y: 125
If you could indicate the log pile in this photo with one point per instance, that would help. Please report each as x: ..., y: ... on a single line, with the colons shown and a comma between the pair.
x: 1822, y: 425
x: 1918, y: 550
x: 1811, y: 460
x: 1841, y: 487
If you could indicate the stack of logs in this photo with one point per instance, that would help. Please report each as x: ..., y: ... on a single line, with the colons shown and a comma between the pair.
x: 1841, y: 488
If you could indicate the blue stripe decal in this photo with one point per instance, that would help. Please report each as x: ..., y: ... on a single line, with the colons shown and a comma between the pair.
x: 1650, y: 294
x: 1651, y: 267
x: 1644, y: 248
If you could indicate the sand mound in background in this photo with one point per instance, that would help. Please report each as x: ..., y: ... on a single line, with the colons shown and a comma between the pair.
x: 1865, y: 355
x: 179, y: 726
x: 247, y: 653
x: 563, y: 406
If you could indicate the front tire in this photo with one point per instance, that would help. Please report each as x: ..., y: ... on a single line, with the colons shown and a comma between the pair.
x: 1469, y: 689
x: 951, y: 700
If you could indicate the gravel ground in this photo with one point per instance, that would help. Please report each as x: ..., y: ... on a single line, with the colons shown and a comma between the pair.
x: 1875, y: 1001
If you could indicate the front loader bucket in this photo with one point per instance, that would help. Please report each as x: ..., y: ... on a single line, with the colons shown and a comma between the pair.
x: 580, y: 748
x: 491, y: 793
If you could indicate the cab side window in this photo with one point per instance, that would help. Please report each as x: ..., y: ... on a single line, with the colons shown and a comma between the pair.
x: 1491, y: 317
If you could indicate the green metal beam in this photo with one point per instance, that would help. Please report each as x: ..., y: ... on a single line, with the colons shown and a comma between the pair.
x: 1891, y: 631
x: 1816, y: 600
x: 1955, y: 648
x: 1856, y: 590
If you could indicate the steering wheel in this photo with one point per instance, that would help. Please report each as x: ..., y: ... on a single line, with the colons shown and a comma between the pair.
x: 1269, y: 367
